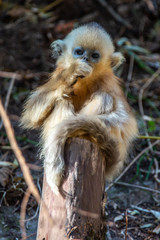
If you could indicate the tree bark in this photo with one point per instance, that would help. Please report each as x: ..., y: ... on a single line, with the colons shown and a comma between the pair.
x: 79, y: 214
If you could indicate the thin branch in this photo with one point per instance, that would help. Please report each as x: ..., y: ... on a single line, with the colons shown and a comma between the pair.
x: 8, y: 95
x: 126, y: 217
x: 19, y: 76
x: 31, y: 235
x: 137, y: 186
x: 10, y: 75
x: 113, y: 13
x: 18, y: 153
x: 9, y: 91
x: 25, y: 169
x: 131, y: 163
x: 156, y: 170
x: 50, y: 6
x: 31, y: 218
x: 129, y: 78
x: 151, y: 6
x: 149, y: 137
x: 23, y: 213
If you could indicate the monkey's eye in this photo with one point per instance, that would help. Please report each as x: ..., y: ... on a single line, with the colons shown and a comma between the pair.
x: 78, y: 51
x: 95, y: 55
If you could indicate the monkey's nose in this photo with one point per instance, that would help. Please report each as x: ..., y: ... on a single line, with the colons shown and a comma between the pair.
x: 85, y: 58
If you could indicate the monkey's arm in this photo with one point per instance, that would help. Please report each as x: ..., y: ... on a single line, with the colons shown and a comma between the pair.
x: 37, y: 107
x: 42, y: 101
x: 115, y: 113
x: 119, y: 122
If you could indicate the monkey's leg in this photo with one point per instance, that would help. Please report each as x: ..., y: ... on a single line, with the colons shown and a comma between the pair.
x: 53, y: 149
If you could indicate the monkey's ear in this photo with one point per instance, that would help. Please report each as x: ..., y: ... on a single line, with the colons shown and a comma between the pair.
x: 116, y: 60
x: 58, y: 48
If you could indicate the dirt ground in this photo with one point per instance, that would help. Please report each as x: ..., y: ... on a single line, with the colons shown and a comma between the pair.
x: 27, y: 29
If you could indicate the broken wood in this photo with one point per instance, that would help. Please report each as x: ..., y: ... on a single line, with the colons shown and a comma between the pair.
x: 79, y: 214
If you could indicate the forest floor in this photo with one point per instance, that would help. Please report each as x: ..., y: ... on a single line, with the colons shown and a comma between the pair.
x: 27, y: 29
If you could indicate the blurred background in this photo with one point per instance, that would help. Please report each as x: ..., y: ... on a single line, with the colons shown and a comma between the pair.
x: 27, y: 29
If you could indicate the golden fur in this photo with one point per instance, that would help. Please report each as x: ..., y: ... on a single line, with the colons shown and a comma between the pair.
x: 82, y: 99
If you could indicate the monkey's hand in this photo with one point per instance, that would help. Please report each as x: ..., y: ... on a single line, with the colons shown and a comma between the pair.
x: 71, y: 75
x: 78, y: 70
x: 83, y: 69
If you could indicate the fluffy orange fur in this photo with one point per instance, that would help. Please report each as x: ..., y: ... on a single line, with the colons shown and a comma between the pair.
x: 82, y: 98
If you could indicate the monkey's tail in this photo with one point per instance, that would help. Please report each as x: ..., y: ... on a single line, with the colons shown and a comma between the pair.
x: 79, y: 126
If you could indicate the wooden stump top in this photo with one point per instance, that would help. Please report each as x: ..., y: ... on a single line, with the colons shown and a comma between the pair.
x: 79, y: 214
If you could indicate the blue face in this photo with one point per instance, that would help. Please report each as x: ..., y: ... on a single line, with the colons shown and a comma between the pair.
x: 87, y: 55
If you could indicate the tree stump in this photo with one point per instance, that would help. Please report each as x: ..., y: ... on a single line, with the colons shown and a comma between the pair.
x: 79, y: 214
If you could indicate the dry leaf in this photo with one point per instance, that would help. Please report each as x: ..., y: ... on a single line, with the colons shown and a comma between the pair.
x: 5, y: 172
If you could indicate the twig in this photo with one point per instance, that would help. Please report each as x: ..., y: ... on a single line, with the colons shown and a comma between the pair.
x: 149, y: 81
x: 137, y: 186
x: 3, y: 198
x: 149, y: 137
x: 18, y: 153
x: 10, y: 75
x: 31, y: 218
x: 8, y: 95
x: 152, y: 171
x: 9, y: 91
x: 6, y: 147
x: 10, y: 148
x: 140, y: 209
x: 154, y: 212
x: 126, y: 217
x: 156, y: 170
x: 6, y: 164
x: 117, y: 17
x: 151, y: 6
x: 38, y: 185
x: 23, y: 213
x: 50, y: 6
x: 25, y: 169
x: 34, y: 167
x: 131, y: 163
x: 31, y: 235
x: 19, y: 76
x: 129, y: 78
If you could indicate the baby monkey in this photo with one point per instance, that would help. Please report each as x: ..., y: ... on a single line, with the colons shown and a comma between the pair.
x: 82, y: 98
